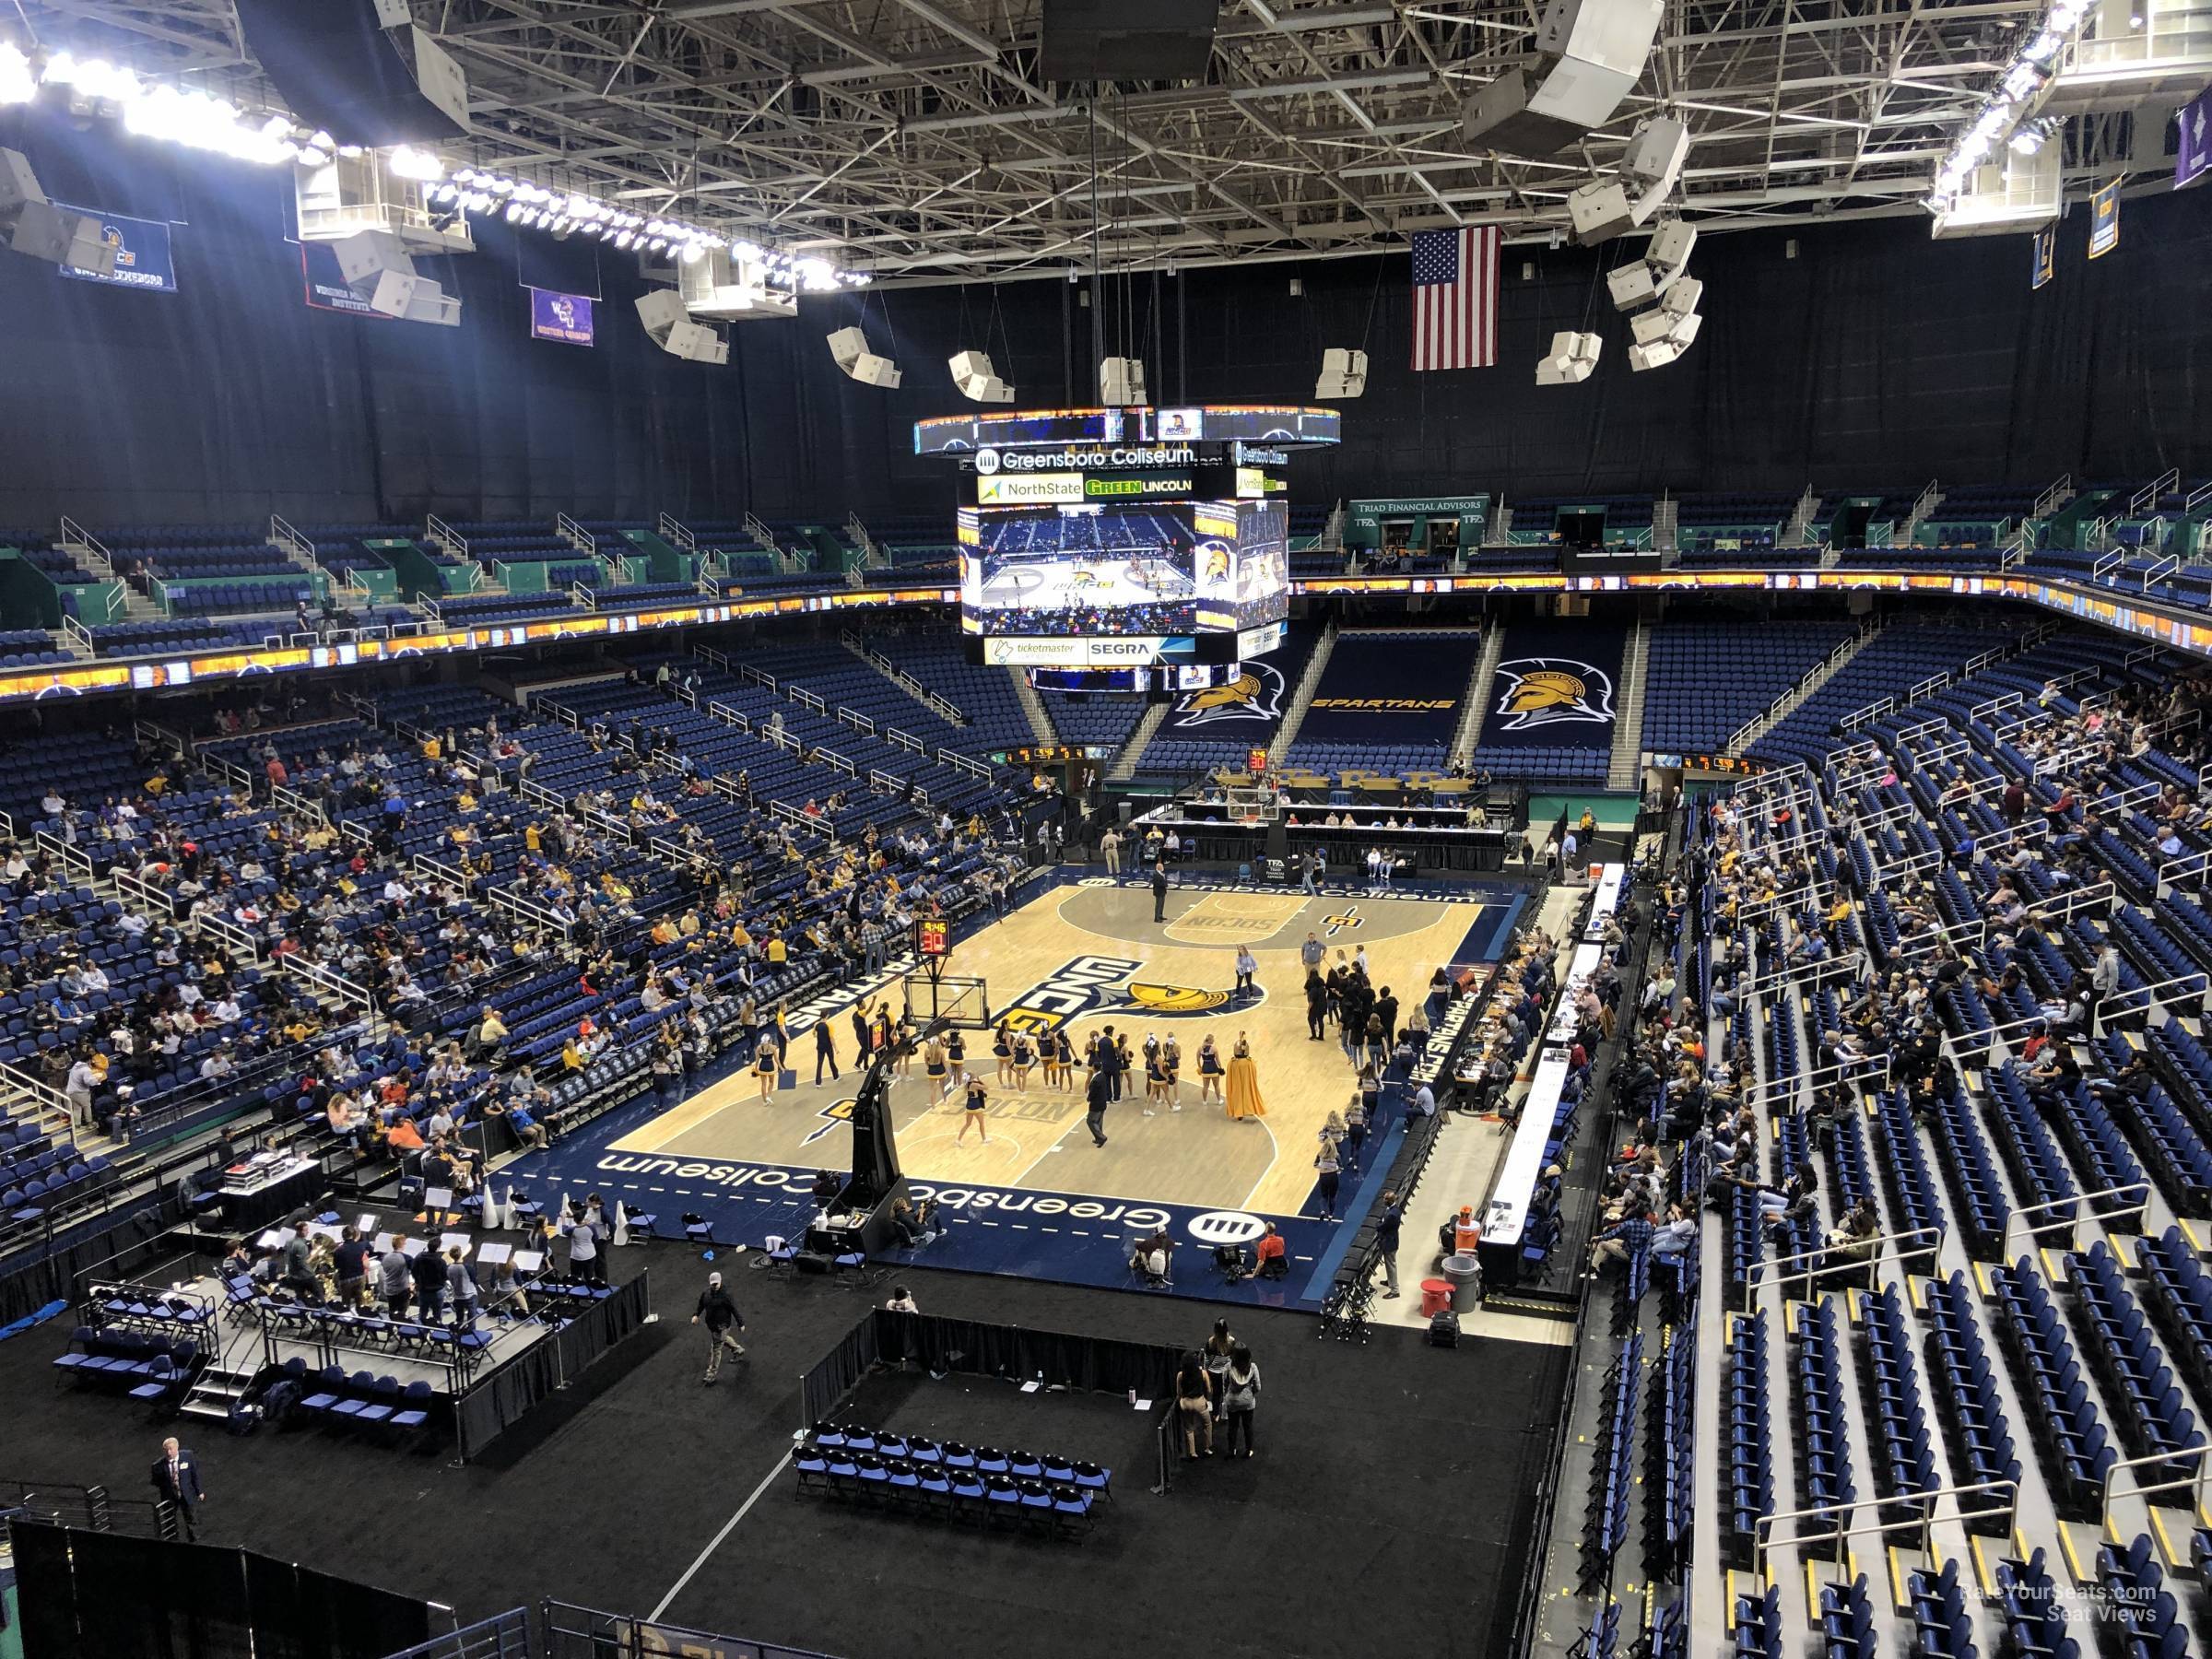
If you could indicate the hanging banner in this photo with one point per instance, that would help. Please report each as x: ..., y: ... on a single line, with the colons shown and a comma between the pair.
x: 325, y: 284
x: 2046, y: 256
x: 566, y: 318
x: 2104, y: 219
x: 2195, y: 152
x: 142, y: 254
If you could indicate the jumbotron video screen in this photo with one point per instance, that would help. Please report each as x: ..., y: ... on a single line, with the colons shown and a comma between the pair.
x: 1172, y: 568
x: 1134, y: 538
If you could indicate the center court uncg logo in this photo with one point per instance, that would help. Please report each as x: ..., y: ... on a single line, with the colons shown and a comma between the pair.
x: 1216, y: 1228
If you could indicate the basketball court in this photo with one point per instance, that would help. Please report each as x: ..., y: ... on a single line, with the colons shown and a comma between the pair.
x: 1083, y: 954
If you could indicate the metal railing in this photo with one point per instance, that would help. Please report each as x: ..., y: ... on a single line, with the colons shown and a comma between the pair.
x: 437, y: 531
x: 228, y: 935
x: 575, y: 535
x: 2067, y: 1216
x: 1851, y: 1264
x: 675, y: 535
x: 1764, y: 1543
x: 2146, y: 499
x: 136, y: 889
x: 2049, y: 501
x: 502, y: 1636
x: 2194, y: 1482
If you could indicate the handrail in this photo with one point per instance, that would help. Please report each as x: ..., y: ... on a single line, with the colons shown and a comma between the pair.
x: 231, y: 936
x: 2173, y: 870
x: 2051, y: 496
x: 1762, y: 1528
x: 2104, y: 1498
x: 142, y: 893
x: 1775, y: 1087
x: 575, y: 535
x: 675, y: 535
x: 45, y: 1097
x: 1873, y: 1261
x: 73, y: 859
x: 1867, y: 716
x: 2146, y: 496
x: 437, y: 530
x: 2071, y: 1221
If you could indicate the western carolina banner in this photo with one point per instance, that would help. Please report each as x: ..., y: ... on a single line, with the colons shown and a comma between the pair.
x: 2045, y: 256
x: 563, y: 317
x: 1392, y: 690
x: 1555, y: 688
x: 2195, y: 152
x: 142, y: 253
x: 2104, y: 219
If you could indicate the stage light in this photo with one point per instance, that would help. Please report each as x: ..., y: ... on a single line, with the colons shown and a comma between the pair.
x: 2012, y: 99
x: 408, y: 162
x: 656, y: 244
x: 621, y: 239
x: 18, y: 84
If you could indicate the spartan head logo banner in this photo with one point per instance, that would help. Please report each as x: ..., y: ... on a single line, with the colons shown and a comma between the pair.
x: 1541, y: 691
x: 1256, y: 695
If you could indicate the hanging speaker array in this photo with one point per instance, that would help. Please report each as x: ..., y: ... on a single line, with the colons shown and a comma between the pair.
x: 850, y: 348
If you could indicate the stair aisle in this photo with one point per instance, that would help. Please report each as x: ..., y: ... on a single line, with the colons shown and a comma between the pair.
x: 1032, y: 706
x: 1476, y: 702
x: 1123, y: 767
x: 1626, y: 768
x: 1303, y: 696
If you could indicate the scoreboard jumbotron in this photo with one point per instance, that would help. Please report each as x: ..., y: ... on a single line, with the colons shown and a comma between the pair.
x: 1124, y: 548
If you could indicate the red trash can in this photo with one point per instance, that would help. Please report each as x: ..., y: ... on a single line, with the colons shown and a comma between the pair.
x: 1436, y: 1296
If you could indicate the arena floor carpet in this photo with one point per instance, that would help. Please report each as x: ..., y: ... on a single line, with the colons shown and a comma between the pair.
x: 1389, y: 1509
x: 1038, y: 1198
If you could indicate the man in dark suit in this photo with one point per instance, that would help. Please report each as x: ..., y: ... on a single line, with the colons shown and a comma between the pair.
x: 1160, y: 891
x: 177, y: 1479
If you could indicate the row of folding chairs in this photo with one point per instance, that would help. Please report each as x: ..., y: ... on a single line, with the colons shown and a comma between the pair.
x: 934, y: 1490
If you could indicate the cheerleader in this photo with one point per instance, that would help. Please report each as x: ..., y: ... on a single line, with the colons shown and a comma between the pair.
x: 1156, y: 1080
x: 1209, y: 1071
x: 972, y: 1108
x: 933, y: 1061
x: 1170, y: 1072
x: 956, y: 1061
x: 1065, y: 1052
x: 1002, y: 1046
x: 1354, y: 1129
x: 1371, y: 1093
x: 764, y: 1065
x: 1022, y: 1055
x: 1327, y: 1172
x: 903, y: 1061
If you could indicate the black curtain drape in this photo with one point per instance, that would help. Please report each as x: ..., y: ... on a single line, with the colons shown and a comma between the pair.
x: 83, y: 1592
x: 836, y: 1373
x: 29, y: 1284
x: 1861, y: 356
x: 496, y: 1399
x: 1056, y: 1358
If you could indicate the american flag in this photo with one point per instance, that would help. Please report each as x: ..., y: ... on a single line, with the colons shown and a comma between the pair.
x: 1455, y: 297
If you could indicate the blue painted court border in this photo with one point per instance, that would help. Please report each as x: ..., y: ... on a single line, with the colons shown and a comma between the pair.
x: 1075, y: 1237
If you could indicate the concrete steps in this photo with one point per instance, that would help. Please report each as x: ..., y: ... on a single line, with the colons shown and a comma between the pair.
x: 1626, y: 767
x: 1476, y: 704
x: 1123, y: 767
x: 1032, y: 708
x: 1301, y: 698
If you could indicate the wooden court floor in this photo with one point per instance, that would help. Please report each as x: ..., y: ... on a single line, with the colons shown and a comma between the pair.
x: 1088, y: 955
